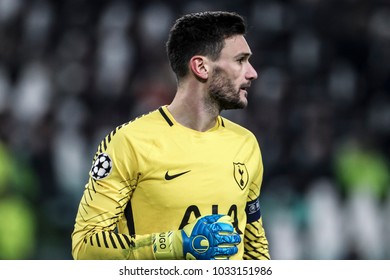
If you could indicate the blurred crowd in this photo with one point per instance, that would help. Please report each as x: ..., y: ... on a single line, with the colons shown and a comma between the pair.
x: 72, y: 70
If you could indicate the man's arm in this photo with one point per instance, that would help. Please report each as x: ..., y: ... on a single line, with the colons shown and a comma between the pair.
x: 96, y: 235
x: 96, y: 238
x: 255, y: 242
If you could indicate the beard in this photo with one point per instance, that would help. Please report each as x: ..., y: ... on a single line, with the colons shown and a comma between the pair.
x: 223, y: 93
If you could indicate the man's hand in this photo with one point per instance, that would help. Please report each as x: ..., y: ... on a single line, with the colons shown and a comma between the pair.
x: 207, y: 238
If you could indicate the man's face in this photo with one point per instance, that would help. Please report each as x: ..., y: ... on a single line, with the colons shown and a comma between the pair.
x: 232, y: 74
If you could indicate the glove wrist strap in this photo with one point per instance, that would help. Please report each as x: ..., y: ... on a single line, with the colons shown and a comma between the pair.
x: 163, y: 245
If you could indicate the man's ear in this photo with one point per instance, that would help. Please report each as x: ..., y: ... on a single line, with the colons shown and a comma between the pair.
x: 199, y: 66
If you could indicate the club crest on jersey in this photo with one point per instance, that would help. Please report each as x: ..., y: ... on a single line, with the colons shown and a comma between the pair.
x: 102, y: 167
x: 241, y: 175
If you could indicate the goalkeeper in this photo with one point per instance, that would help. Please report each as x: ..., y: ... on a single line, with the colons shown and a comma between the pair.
x: 182, y: 182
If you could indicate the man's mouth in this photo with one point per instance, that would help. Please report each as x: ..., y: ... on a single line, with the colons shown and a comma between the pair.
x: 245, y: 88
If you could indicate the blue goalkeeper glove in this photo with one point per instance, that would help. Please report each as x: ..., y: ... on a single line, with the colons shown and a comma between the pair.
x: 207, y: 238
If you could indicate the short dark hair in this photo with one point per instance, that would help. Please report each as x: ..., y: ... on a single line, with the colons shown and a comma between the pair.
x: 201, y: 33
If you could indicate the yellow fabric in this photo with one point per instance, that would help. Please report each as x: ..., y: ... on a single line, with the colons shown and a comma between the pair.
x: 221, y: 171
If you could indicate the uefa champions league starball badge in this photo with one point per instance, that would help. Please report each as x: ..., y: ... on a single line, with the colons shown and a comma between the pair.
x: 102, y: 167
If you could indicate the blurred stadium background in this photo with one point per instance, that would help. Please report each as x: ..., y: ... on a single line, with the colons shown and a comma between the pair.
x: 72, y: 70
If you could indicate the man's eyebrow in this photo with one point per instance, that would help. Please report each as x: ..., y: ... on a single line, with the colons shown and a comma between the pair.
x: 244, y: 55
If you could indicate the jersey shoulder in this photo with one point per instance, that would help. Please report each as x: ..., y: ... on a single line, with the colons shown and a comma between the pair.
x: 137, y: 128
x: 148, y: 122
x: 236, y: 128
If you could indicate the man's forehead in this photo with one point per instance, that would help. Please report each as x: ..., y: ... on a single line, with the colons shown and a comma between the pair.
x: 236, y: 45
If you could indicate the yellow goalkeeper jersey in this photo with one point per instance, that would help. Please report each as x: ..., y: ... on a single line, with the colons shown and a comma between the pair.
x: 153, y: 175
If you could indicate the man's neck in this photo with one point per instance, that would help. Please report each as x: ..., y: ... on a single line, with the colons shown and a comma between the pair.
x: 191, y: 110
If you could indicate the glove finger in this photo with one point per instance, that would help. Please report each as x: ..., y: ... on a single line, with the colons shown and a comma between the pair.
x: 211, y: 218
x: 233, y: 239
x: 225, y: 219
x: 222, y: 227
x: 225, y: 251
x: 221, y: 257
